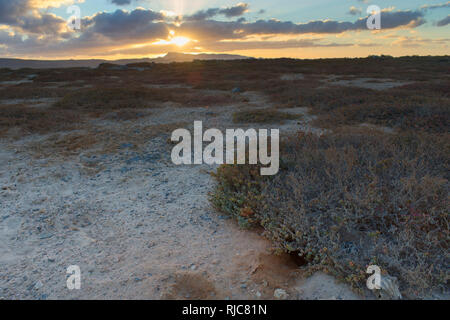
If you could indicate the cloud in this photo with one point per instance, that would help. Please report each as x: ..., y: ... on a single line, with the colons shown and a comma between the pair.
x: 11, y: 10
x: 390, y: 20
x: 43, y: 24
x: 436, y: 6
x: 412, y: 42
x: 137, y: 24
x: 443, y: 22
x: 230, y: 12
x: 121, y: 2
x: 120, y: 31
x: 24, y: 15
x: 52, y: 3
x: 236, y: 11
x: 354, y: 11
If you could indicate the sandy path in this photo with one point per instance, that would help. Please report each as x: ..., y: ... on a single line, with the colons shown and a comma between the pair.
x: 139, y: 227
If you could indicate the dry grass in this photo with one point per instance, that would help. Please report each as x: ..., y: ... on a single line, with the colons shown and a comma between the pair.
x: 350, y: 199
x: 108, y: 98
x: 263, y: 116
x: 30, y: 91
x: 35, y: 120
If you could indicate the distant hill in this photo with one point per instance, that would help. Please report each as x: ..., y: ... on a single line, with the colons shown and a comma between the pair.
x: 183, y: 57
x: 168, y: 58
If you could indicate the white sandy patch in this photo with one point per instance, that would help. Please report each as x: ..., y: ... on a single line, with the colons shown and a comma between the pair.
x: 137, y: 225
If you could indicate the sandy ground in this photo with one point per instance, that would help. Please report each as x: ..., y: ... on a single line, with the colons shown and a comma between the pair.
x: 138, y: 226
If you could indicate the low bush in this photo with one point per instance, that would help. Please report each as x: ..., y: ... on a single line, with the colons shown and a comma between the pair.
x: 34, y: 120
x: 113, y: 98
x: 346, y: 200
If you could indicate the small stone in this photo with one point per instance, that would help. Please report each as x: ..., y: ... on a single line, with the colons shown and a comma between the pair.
x: 193, y: 267
x: 38, y: 285
x: 280, y: 294
x: 258, y: 294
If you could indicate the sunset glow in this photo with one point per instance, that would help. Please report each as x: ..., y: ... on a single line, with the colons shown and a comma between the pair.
x: 258, y: 28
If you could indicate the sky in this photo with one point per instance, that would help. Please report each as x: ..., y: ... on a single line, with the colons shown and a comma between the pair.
x: 119, y: 29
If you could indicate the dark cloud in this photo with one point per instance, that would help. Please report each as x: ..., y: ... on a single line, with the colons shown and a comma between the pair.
x: 10, y: 11
x: 236, y: 11
x: 227, y: 30
x: 121, y: 2
x: 42, y: 24
x: 22, y: 15
x: 136, y: 24
x: 230, y: 12
x: 394, y: 19
x: 443, y: 22
x: 389, y: 20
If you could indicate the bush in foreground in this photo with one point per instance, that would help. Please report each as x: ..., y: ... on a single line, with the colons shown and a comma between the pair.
x: 346, y: 200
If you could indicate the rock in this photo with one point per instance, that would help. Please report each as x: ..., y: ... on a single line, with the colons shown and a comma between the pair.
x: 236, y: 90
x: 258, y: 294
x: 280, y: 294
x: 46, y: 236
x: 389, y: 289
x: 38, y: 285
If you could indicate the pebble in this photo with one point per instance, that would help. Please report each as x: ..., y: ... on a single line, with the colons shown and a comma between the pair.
x: 38, y: 285
x: 280, y: 294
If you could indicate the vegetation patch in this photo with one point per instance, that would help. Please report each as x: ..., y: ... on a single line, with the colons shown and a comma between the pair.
x: 346, y: 200
x: 263, y: 116
x: 30, y: 91
x: 35, y: 120
x: 113, y: 98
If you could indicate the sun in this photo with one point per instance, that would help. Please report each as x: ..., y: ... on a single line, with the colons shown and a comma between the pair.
x: 180, y: 41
